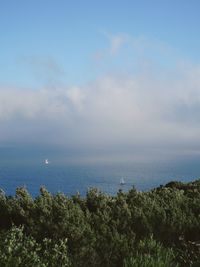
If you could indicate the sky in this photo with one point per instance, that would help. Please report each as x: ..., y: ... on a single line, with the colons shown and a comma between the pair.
x: 101, y: 77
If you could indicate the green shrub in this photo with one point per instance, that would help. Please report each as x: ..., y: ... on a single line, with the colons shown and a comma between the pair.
x: 101, y: 230
x: 19, y: 250
x: 151, y: 254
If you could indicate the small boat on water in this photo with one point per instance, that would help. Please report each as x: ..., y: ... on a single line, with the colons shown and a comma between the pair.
x: 46, y: 161
x: 122, y: 182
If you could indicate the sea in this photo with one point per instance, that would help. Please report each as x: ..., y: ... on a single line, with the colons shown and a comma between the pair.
x: 62, y: 175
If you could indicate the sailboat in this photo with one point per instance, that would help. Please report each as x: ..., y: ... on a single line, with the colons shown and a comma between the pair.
x: 122, y: 182
x: 46, y: 161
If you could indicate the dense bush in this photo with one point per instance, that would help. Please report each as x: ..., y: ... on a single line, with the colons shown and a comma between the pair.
x: 150, y: 253
x: 19, y: 250
x: 156, y: 228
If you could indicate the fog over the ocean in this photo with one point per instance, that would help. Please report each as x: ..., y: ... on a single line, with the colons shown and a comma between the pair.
x: 151, y: 108
x: 100, y: 79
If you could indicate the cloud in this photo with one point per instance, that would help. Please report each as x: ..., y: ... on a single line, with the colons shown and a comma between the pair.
x: 116, y: 43
x: 138, y: 48
x: 155, y: 104
x: 143, y: 110
x: 44, y: 68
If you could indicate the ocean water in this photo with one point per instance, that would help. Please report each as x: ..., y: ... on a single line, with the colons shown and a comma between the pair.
x: 69, y: 178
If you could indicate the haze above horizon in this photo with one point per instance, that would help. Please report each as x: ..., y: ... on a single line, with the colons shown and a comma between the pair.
x: 108, y: 77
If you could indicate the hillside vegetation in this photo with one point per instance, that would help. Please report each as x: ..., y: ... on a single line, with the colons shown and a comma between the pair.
x: 158, y: 228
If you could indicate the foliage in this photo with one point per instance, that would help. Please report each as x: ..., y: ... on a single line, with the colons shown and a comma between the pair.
x: 161, y: 226
x: 151, y: 254
x: 19, y: 250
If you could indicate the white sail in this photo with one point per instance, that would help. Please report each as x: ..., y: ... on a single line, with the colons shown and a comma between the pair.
x: 46, y: 161
x: 122, y: 181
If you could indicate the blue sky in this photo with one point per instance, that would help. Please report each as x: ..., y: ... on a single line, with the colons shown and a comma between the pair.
x: 110, y: 75
x: 69, y: 33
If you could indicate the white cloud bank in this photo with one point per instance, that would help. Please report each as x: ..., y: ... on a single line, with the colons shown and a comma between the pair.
x: 143, y: 110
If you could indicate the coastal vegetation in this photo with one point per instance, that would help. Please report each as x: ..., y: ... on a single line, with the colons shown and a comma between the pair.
x: 158, y: 228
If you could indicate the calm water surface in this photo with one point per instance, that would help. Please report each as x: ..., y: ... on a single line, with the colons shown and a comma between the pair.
x: 70, y: 178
